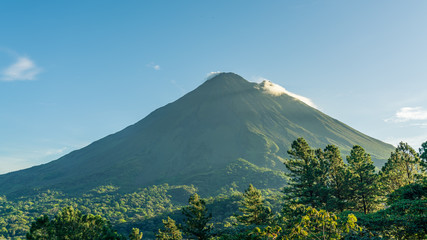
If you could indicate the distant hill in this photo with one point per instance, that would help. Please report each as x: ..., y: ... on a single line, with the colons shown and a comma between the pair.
x: 227, y: 132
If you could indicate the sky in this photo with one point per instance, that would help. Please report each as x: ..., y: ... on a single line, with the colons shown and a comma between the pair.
x: 72, y: 72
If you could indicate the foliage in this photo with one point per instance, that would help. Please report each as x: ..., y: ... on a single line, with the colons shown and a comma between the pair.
x: 135, y: 234
x: 267, y: 233
x: 327, y: 181
x: 414, y: 191
x: 338, y: 179
x: 320, y: 224
x: 302, y: 186
x: 321, y: 179
x: 253, y: 208
x: 170, y: 231
x: 73, y: 225
x: 423, y: 155
x: 197, y: 218
x: 402, y: 168
x: 123, y: 210
x: 363, y: 181
x: 404, y: 218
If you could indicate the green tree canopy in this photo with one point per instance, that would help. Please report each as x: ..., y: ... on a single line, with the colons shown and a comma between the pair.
x: 170, y: 231
x: 197, y: 218
x: 423, y: 155
x: 363, y: 180
x: 303, y: 168
x: 405, y: 217
x: 253, y: 208
x: 320, y: 224
x: 402, y: 168
x: 135, y: 234
x: 71, y: 224
x: 338, y: 178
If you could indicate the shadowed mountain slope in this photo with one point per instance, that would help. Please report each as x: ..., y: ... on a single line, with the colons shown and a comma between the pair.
x: 227, y: 131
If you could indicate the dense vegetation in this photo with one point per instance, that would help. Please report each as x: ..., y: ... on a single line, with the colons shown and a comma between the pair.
x: 325, y: 198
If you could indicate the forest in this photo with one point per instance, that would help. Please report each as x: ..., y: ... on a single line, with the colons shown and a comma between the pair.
x: 325, y: 197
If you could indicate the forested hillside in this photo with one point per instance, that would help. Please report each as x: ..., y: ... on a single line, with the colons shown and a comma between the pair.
x: 325, y: 198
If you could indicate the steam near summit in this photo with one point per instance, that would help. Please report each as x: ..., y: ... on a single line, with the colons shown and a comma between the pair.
x: 277, y: 90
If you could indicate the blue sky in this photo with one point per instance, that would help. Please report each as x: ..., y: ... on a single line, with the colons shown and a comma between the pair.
x: 72, y: 72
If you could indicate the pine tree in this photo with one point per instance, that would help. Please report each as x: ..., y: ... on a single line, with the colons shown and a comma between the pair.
x: 363, y: 180
x: 253, y: 208
x: 321, y: 179
x: 197, y: 218
x: 309, y: 175
x: 302, y: 168
x: 170, y: 231
x: 337, y: 179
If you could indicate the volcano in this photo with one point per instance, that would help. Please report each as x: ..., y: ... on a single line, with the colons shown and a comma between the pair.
x: 226, y: 132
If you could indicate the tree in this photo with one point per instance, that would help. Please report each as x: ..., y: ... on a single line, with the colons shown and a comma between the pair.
x: 423, y: 155
x: 405, y: 216
x: 338, y: 178
x: 317, y: 178
x: 41, y: 229
x: 197, y: 218
x: 363, y: 180
x: 303, y: 168
x: 267, y: 233
x: 321, y: 177
x: 135, y: 234
x: 402, y: 168
x: 253, y: 208
x: 320, y: 224
x: 71, y: 224
x: 170, y: 231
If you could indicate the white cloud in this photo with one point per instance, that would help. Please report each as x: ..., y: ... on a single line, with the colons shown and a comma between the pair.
x: 154, y: 66
x: 50, y: 152
x: 277, y: 90
x: 23, y: 69
x: 414, y: 141
x: 212, y: 75
x: 408, y: 114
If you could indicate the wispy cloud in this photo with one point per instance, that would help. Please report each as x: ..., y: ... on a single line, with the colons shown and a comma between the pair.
x: 408, y: 114
x: 154, y: 66
x: 212, y: 75
x: 277, y: 90
x: 413, y: 141
x: 23, y: 69
x: 13, y: 160
x: 174, y: 83
x: 421, y: 125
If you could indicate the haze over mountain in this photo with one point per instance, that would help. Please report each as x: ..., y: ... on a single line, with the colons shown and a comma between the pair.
x: 226, y: 132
